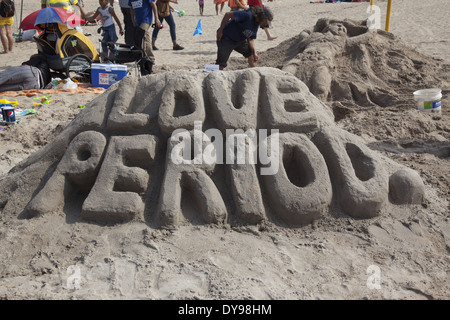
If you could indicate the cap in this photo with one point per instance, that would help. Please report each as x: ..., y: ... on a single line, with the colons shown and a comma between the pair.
x: 269, y: 13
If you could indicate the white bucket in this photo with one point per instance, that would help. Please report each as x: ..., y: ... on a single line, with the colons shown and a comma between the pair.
x: 428, y: 100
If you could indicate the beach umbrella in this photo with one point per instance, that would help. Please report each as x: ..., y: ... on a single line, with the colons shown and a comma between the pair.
x: 50, y: 15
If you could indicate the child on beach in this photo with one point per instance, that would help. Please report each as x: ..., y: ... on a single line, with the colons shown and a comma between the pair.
x: 201, y: 4
x: 107, y: 13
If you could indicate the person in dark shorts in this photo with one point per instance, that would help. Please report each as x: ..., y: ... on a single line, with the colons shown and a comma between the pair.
x: 238, y: 31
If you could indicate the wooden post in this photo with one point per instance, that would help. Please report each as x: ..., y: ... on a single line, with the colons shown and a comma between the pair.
x: 388, y: 15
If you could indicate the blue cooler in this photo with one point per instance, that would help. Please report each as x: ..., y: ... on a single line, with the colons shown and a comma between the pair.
x: 105, y: 74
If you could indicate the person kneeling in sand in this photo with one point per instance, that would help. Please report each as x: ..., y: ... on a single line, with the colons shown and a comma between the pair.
x: 238, y: 31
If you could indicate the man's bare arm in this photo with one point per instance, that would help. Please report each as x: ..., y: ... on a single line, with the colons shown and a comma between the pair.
x: 229, y: 15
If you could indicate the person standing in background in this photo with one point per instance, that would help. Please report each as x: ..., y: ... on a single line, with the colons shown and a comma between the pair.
x: 127, y: 22
x: 221, y: 4
x: 165, y: 13
x: 201, y: 5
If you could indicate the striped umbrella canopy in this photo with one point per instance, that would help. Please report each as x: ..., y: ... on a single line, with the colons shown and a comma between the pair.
x: 50, y: 15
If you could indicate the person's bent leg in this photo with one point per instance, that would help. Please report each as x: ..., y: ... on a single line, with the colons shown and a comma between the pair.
x: 224, y: 49
x: 244, y: 48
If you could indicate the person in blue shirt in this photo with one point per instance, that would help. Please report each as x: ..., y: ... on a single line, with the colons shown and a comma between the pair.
x: 238, y: 31
x: 142, y: 17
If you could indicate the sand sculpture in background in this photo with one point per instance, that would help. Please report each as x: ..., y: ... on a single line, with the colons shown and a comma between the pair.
x: 116, y: 158
x: 345, y: 63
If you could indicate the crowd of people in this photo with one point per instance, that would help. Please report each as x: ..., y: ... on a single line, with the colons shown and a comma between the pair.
x: 142, y: 20
x: 237, y: 31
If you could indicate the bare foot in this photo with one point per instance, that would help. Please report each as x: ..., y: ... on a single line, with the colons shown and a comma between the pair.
x: 271, y: 38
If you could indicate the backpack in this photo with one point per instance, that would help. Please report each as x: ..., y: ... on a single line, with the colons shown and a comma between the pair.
x: 7, y: 8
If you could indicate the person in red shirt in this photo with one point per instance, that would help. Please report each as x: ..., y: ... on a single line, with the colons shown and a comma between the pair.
x: 258, y: 3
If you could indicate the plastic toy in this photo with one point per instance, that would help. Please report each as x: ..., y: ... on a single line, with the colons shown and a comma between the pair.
x: 28, y: 111
x: 12, y: 103
x: 43, y: 100
x: 180, y: 13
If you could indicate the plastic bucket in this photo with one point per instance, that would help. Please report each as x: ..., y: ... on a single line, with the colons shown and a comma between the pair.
x: 428, y: 100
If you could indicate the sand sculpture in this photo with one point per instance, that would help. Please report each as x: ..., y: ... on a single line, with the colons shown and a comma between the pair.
x: 117, y: 157
x: 343, y: 62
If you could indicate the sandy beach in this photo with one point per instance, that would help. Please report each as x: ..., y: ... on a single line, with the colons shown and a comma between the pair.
x: 371, y: 80
x: 409, y: 21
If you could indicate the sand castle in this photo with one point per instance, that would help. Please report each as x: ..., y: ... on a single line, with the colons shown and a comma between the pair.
x: 116, y: 157
x: 346, y: 64
x: 70, y: 184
